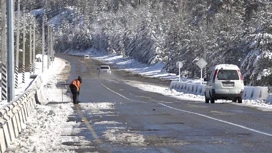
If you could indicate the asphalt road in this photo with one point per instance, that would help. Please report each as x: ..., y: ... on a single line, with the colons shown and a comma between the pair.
x: 138, y: 121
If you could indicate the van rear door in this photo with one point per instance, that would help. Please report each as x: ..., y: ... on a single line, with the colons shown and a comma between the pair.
x: 228, y: 81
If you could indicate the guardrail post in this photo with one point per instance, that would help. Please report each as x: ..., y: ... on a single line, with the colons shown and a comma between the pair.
x: 3, y: 145
x: 14, y: 122
x: 16, y: 116
x: 10, y: 126
x: 24, y: 110
x: 21, y: 114
x: 3, y: 135
x: 32, y: 102
x: 10, y: 131
x: 28, y: 107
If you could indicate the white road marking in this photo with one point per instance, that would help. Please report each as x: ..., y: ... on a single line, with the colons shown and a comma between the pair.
x: 120, y: 94
x: 219, y: 120
x: 202, y: 115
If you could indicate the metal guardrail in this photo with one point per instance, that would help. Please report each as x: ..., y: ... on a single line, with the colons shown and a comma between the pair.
x: 13, y: 116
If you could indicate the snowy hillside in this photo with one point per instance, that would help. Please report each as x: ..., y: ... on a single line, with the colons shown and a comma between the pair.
x: 220, y: 31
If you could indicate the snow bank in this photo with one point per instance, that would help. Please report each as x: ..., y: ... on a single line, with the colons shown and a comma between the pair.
x: 250, y: 92
x: 14, y: 114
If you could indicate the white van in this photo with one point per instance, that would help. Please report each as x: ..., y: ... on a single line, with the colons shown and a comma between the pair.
x: 86, y: 56
x: 104, y: 69
x: 226, y: 82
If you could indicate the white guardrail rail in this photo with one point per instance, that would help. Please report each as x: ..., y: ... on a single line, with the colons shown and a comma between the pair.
x: 13, y: 116
x: 250, y: 92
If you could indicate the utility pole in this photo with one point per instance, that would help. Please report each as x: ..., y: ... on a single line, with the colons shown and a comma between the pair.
x: 205, y: 46
x: 48, y: 47
x: 43, y: 18
x: 30, y: 48
x: 48, y: 41
x: 205, y: 39
x: 17, y: 44
x: 52, y: 49
x: 205, y: 54
x: 34, y: 45
x: 24, y: 48
x: 86, y: 18
x: 4, y: 51
x: 10, y: 49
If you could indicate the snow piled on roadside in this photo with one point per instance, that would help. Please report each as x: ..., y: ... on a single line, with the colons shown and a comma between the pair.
x: 44, y: 129
x: 47, y: 124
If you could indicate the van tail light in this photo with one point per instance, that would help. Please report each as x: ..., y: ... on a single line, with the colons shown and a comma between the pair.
x: 214, y: 75
x: 240, y: 75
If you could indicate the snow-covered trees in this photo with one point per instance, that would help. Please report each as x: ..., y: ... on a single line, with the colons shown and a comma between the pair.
x: 222, y: 31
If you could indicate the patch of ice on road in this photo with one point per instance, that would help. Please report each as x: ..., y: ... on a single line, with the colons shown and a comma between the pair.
x: 98, y: 108
x: 98, y: 105
x: 117, y: 136
x: 107, y: 122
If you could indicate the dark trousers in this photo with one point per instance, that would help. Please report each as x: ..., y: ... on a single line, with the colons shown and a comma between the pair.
x: 75, y: 93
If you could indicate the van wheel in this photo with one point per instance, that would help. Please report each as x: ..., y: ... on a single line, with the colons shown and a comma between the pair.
x: 239, y: 100
x: 212, y: 100
x: 206, y: 100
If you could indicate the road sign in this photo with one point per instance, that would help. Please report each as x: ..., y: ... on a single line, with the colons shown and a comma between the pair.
x: 201, y: 63
x: 179, y: 64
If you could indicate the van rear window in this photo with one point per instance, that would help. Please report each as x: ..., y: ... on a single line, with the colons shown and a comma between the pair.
x: 227, y: 75
x: 104, y: 67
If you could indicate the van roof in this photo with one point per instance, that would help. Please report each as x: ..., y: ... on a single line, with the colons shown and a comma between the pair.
x: 104, y: 65
x: 226, y: 66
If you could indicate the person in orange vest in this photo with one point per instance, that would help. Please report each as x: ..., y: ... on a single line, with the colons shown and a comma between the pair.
x: 75, y: 89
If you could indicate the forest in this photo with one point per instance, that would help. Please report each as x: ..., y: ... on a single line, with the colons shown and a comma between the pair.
x: 219, y: 31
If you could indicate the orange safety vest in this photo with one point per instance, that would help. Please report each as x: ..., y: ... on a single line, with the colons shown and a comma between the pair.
x: 76, y: 83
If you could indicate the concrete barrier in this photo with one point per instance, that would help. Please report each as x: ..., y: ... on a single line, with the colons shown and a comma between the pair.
x: 197, y: 89
x: 250, y: 92
x: 269, y: 99
x: 13, y: 116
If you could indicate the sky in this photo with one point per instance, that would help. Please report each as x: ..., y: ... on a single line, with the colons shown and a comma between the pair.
x: 46, y: 129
